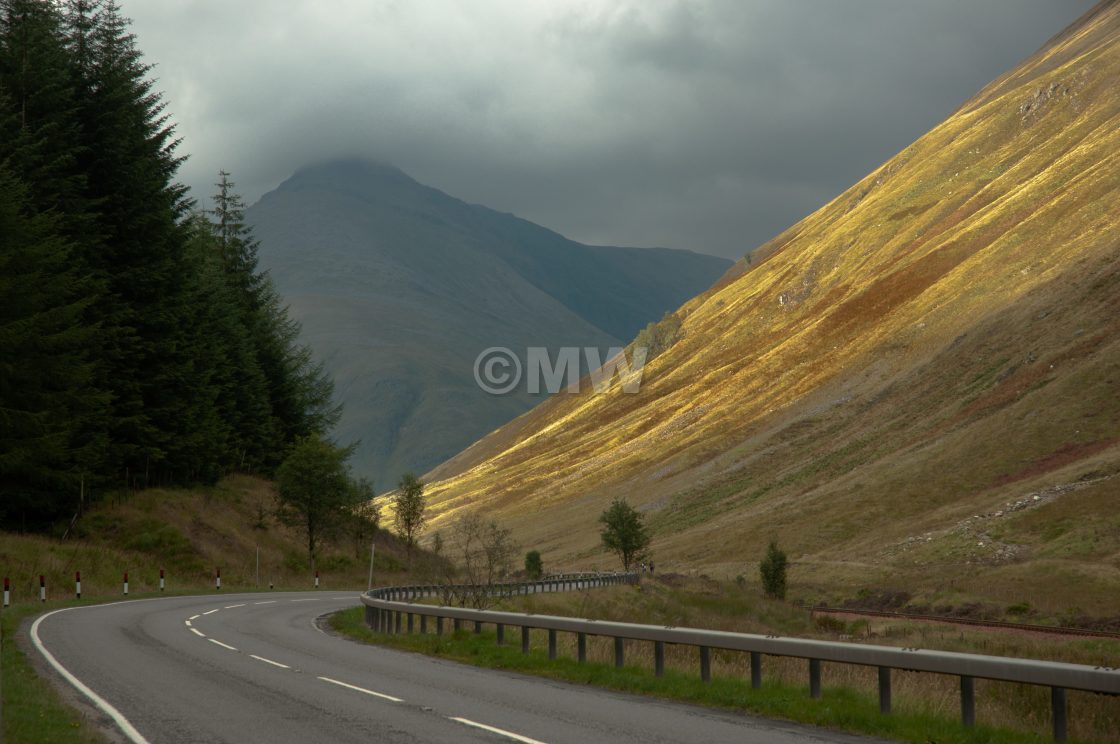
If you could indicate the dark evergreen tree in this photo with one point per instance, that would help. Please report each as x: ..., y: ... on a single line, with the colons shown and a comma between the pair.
x: 46, y: 400
x: 129, y: 161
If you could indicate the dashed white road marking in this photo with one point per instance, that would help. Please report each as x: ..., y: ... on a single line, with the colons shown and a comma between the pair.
x: 230, y: 607
x: 267, y: 601
x: 106, y: 707
x: 269, y: 661
x: 500, y: 732
x: 362, y: 689
x: 223, y: 645
x: 187, y: 623
x: 312, y: 599
x: 211, y: 612
x: 194, y: 617
x: 195, y: 631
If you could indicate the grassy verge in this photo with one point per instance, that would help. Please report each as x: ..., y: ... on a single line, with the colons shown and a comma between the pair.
x: 32, y: 710
x: 840, y: 708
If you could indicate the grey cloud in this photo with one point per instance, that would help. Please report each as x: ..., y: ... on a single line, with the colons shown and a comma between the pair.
x: 703, y: 125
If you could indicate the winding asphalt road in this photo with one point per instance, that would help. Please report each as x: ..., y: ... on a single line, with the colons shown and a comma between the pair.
x: 256, y: 668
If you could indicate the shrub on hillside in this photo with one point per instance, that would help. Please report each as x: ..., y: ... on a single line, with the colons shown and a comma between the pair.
x: 773, y: 571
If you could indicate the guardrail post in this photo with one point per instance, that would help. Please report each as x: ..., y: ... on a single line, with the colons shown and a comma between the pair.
x: 524, y: 639
x: 619, y: 651
x: 815, y: 678
x: 705, y: 664
x: 659, y: 658
x: 410, y: 623
x: 439, y: 625
x: 501, y: 629
x: 397, y: 622
x: 1058, y: 705
x: 477, y: 626
x: 756, y: 669
x: 581, y: 647
x: 551, y: 644
x: 456, y: 624
x: 884, y: 689
x: 968, y: 701
x: 423, y: 623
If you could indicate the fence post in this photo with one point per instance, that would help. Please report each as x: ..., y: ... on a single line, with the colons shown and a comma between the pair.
x: 705, y: 664
x: 884, y: 689
x: 551, y: 644
x: 756, y: 669
x: 968, y: 701
x: 815, y: 678
x: 581, y: 647
x: 619, y: 651
x: 659, y: 658
x: 1058, y: 704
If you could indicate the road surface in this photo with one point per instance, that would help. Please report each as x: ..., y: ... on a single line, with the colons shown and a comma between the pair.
x: 256, y: 668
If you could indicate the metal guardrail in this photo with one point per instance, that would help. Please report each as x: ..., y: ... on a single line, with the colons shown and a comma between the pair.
x: 390, y: 610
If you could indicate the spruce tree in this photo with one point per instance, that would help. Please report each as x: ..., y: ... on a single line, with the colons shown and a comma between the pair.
x: 46, y: 400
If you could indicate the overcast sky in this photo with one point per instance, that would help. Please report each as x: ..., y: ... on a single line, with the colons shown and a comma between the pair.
x: 704, y: 125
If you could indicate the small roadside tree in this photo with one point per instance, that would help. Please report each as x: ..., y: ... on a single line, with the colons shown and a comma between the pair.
x: 624, y: 532
x: 773, y: 572
x: 483, y: 553
x: 314, y: 489
x: 534, y: 567
x: 365, y: 515
x: 408, y: 511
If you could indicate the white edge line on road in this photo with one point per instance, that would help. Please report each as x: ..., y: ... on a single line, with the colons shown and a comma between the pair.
x: 223, y: 645
x: 230, y: 607
x: 362, y: 689
x: 195, y: 631
x: 187, y: 623
x: 270, y: 601
x: 493, y: 730
x: 105, y: 706
x: 211, y: 612
x: 312, y: 599
x: 194, y: 617
x: 269, y: 661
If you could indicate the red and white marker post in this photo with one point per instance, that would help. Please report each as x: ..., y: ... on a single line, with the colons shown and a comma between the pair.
x: 316, y: 578
x: 7, y: 592
x: 161, y: 579
x: 78, y: 584
x: 42, y: 588
x: 126, y: 583
x: 218, y: 579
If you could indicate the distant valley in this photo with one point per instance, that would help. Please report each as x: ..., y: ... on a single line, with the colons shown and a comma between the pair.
x: 400, y: 286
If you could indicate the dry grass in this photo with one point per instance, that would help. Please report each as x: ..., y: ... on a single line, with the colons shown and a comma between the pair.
x: 189, y: 533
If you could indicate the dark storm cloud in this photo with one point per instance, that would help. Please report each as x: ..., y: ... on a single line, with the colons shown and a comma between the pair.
x: 706, y: 125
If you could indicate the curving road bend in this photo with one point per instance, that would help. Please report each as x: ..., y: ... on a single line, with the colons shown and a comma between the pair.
x: 256, y: 668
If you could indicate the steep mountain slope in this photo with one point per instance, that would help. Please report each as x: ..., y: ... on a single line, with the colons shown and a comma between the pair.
x: 400, y: 287
x: 916, y: 386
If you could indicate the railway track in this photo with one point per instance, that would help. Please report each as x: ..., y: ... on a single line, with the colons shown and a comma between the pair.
x: 1052, y: 629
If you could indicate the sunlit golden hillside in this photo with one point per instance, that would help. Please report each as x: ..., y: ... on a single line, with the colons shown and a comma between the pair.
x: 917, y: 386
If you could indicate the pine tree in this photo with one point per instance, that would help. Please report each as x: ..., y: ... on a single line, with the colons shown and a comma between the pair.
x: 46, y: 400
x: 128, y: 158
